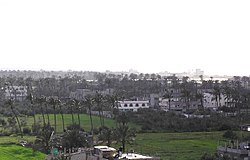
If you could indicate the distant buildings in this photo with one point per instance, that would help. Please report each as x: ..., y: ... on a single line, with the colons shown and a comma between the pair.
x: 18, y: 93
x: 210, y: 102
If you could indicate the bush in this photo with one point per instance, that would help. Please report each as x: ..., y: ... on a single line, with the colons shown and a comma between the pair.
x: 26, y: 130
x: 207, y: 157
x: 36, y: 128
x: 224, y: 127
x: 230, y: 135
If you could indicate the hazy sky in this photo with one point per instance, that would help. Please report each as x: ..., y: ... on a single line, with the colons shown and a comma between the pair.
x: 149, y: 36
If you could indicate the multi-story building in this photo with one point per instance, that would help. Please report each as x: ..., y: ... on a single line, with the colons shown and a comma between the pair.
x: 210, y: 102
x: 177, y: 102
x: 132, y: 105
x: 18, y: 93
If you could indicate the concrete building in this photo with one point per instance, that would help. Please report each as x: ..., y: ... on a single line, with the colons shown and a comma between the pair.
x: 154, y: 100
x: 210, y: 102
x: 18, y: 93
x: 177, y: 102
x: 132, y: 105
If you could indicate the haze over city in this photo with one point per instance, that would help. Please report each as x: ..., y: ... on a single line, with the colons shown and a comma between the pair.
x: 148, y: 36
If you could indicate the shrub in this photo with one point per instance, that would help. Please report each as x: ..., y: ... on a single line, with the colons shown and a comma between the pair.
x: 230, y: 135
x: 26, y: 130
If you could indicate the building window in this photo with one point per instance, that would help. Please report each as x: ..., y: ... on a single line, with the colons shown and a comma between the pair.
x: 125, y: 105
x: 137, y: 105
x: 130, y: 105
x: 143, y: 104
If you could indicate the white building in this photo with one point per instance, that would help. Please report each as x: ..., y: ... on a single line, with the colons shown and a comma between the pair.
x: 132, y: 105
x: 18, y: 93
x: 210, y: 102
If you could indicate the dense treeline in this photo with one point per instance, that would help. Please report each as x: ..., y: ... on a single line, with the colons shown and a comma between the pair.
x: 160, y: 121
x: 46, y: 90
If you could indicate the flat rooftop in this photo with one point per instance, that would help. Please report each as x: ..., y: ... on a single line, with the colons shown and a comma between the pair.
x: 134, y: 156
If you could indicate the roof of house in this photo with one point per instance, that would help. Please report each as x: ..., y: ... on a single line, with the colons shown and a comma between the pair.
x: 133, y: 156
x: 104, y: 148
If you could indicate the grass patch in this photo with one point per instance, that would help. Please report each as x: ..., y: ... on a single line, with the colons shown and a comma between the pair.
x: 167, y: 146
x: 84, y: 120
x: 177, y: 146
x: 15, y: 152
x: 15, y: 139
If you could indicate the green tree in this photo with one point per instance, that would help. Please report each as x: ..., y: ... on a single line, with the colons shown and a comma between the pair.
x: 40, y: 102
x: 60, y: 104
x: 43, y: 139
x: 74, y: 138
x: 106, y: 135
x: 54, y: 102
x: 88, y: 102
x: 10, y: 103
x: 71, y: 107
x: 169, y: 96
x: 31, y: 99
x: 99, y: 100
x: 123, y: 133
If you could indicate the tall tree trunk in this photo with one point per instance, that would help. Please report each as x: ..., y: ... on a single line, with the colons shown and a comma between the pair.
x: 78, y: 116
x: 46, y: 107
x: 169, y: 105
x: 62, y: 119
x: 91, y: 120
x: 72, y: 116
x: 123, y: 145
x: 54, y: 107
x: 43, y: 115
x: 34, y: 114
x: 100, y: 117
x: 18, y: 122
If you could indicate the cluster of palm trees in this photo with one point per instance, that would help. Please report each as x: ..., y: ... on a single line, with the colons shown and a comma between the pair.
x: 52, y: 105
x: 236, y: 93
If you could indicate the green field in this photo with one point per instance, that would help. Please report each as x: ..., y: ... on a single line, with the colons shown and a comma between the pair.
x: 177, y: 146
x: 10, y: 151
x: 167, y: 146
x: 84, y: 120
x: 15, y: 152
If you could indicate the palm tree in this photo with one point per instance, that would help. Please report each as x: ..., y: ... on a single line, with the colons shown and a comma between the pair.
x: 227, y: 92
x: 61, y: 112
x: 168, y: 95
x: 99, y: 100
x: 71, y: 107
x: 106, y: 135
x: 54, y: 103
x: 10, y: 103
x: 77, y: 106
x: 31, y: 99
x: 113, y: 100
x: 186, y: 93
x: 123, y: 133
x: 46, y: 102
x: 40, y: 102
x: 217, y: 95
x: 88, y: 101
x: 200, y: 96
